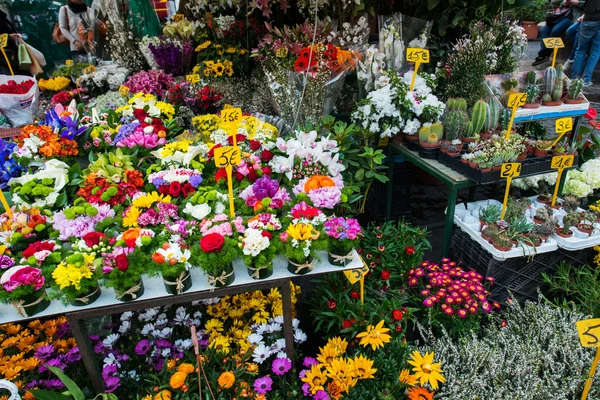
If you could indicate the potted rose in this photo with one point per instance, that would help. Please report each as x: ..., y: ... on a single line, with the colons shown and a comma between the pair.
x: 214, y: 253
x: 172, y: 262
x: 300, y: 242
x: 127, y: 262
x: 343, y: 234
x: 23, y: 287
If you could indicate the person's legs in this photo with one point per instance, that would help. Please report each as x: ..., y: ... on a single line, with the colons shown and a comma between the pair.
x: 587, y: 31
x: 594, y: 55
x: 572, y: 35
x: 544, y: 33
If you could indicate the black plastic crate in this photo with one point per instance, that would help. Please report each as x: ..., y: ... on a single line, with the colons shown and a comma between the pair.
x: 530, y: 166
x: 377, y: 200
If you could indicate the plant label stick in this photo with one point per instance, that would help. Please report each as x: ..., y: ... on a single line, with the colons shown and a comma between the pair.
x: 5, y: 205
x: 554, y: 43
x: 563, y: 126
x: 589, y: 331
x: 560, y: 163
x: 515, y: 101
x: 192, y: 78
x: 508, y: 171
x: 226, y: 157
x: 358, y: 275
x: 3, y: 43
x: 417, y: 56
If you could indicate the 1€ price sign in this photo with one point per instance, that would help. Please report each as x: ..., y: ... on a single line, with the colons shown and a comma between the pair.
x: 589, y: 336
x: 560, y: 163
x: 418, y: 56
x: 508, y: 171
x: 515, y: 101
x: 227, y: 156
x: 192, y: 78
x: 4, y: 40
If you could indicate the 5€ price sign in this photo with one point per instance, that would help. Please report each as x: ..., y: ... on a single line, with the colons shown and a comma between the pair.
x: 554, y: 43
x: 227, y: 156
x: 589, y: 336
x: 515, y: 101
x: 560, y: 163
x: 4, y: 40
x: 508, y: 171
x: 417, y: 56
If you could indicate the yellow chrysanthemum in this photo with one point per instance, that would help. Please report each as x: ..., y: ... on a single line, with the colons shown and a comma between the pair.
x: 342, y: 372
x: 220, y: 344
x: 316, y: 378
x: 375, y: 336
x: 406, y: 378
x: 66, y: 275
x: 226, y: 379
x: 363, y: 367
x: 130, y: 220
x: 339, y: 344
x: 163, y: 395
x: 425, y: 370
x: 177, y: 380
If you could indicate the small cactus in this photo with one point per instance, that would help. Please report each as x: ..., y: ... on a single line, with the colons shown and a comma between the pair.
x: 559, y: 71
x: 533, y: 92
x: 454, y: 124
x: 458, y: 104
x: 451, y: 104
x: 478, y: 115
x: 547, y: 98
x: 433, y: 138
x: 492, y: 116
x: 505, y: 115
x: 438, y: 129
x: 470, y: 130
x: 424, y: 133
x: 549, y: 80
x: 557, y: 93
x: 575, y: 89
x: 530, y: 78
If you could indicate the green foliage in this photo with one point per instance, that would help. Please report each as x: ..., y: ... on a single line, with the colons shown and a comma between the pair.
x: 575, y: 287
x: 533, y: 92
x: 73, y: 391
x: 455, y: 123
x: 212, y: 263
x: 478, y: 115
x: 535, y: 11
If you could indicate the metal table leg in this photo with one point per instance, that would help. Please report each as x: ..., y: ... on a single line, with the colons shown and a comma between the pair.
x: 452, y: 196
x: 88, y: 357
x: 288, y: 329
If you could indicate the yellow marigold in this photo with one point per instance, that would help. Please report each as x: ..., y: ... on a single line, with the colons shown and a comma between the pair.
x: 226, y: 379
x: 172, y: 363
x: 186, y: 368
x: 177, y: 380
x: 163, y: 395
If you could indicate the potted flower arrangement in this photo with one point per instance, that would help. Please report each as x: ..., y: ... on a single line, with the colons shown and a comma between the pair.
x: 150, y: 209
x: 343, y: 235
x: 45, y: 254
x: 42, y: 188
x: 25, y: 227
x: 74, y: 222
x: 179, y: 183
x: 300, y: 242
x: 570, y: 220
x: 265, y: 194
x: 214, y: 253
x: 127, y: 262
x: 172, y: 262
x: 23, y: 287
x: 258, y: 252
x: 587, y: 223
x: 75, y: 280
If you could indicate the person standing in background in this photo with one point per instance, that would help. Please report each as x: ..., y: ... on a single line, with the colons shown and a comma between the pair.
x: 577, y: 8
x: 556, y: 25
x: 11, y: 49
x: 588, y: 43
x: 77, y: 23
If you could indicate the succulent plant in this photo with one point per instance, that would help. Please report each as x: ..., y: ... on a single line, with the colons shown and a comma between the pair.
x: 490, y: 230
x: 569, y: 220
x: 557, y: 93
x: 478, y: 115
x: 546, y: 229
x: 492, y: 115
x: 549, y: 79
x: 458, y: 104
x: 519, y: 225
x: 502, y: 239
x: 455, y: 123
x: 490, y: 214
x: 530, y: 78
x: 547, y: 98
x: 505, y: 115
x: 533, y: 92
x: 575, y: 89
x: 544, y: 213
x: 543, y: 144
x: 570, y: 203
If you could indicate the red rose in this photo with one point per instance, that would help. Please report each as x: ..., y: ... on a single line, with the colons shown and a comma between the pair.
x: 93, y: 238
x: 409, y: 250
x: 211, y: 152
x: 163, y: 189
x: 354, y: 294
x: 239, y: 138
x: 397, y: 314
x: 346, y: 324
x: 398, y: 328
x: 221, y: 175
x: 139, y: 114
x: 175, y: 189
x: 331, y: 304
x: 187, y: 189
x: 239, y: 177
x: 254, y: 145
x: 266, y: 155
x: 212, y: 243
x: 266, y: 171
x: 266, y: 234
x: 122, y: 262
x: 385, y: 274
x: 252, y: 175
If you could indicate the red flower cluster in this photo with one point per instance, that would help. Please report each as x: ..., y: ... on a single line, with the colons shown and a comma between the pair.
x: 93, y: 238
x: 36, y: 247
x: 13, y: 87
x: 212, y: 243
x: 100, y: 191
x: 176, y: 189
x: 157, y: 123
x: 308, y: 60
x: 308, y: 212
x: 208, y: 97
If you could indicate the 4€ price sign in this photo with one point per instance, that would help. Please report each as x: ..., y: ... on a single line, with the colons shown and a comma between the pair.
x: 560, y: 163
x: 508, y: 171
x: 589, y: 336
x: 515, y: 101
x: 418, y: 56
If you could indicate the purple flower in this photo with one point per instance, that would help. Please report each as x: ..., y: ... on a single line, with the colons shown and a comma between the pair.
x: 195, y: 180
x: 73, y: 355
x: 263, y: 385
x: 112, y: 383
x: 321, y: 395
x: 306, y: 389
x: 142, y: 347
x: 265, y: 187
x: 63, y: 330
x: 55, y: 362
x: 44, y: 352
x: 98, y: 347
x: 158, y: 364
x: 159, y: 182
x: 162, y: 344
x: 108, y: 371
x: 6, y: 262
x: 52, y: 384
x: 281, y: 366
x: 309, y: 362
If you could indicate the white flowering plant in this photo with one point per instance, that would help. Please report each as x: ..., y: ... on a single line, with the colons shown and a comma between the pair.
x: 104, y: 78
x: 260, y: 243
x: 393, y: 108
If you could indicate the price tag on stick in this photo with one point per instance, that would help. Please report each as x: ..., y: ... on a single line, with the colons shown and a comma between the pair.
x: 231, y: 115
x: 226, y: 157
x: 3, y: 44
x: 418, y: 56
x: 508, y: 171
x: 178, y: 17
x: 589, y: 336
x: 358, y: 275
x: 554, y: 43
x: 515, y: 101
x: 192, y: 78
x: 563, y: 126
x: 560, y: 163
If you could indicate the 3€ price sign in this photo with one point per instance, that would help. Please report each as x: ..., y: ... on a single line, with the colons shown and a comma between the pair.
x: 515, y: 101
x: 564, y: 125
x: 4, y: 40
x: 192, y: 78
x: 508, y: 171
x: 560, y: 163
x: 589, y: 336
x: 417, y: 56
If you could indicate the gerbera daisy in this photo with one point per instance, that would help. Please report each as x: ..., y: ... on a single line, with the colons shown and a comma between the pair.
x: 406, y: 378
x: 221, y: 344
x: 363, y: 367
x: 425, y: 370
x: 327, y: 355
x: 375, y: 336
x: 419, y: 393
x: 316, y: 378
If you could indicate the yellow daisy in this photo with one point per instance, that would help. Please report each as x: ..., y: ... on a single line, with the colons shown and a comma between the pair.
x: 327, y: 354
x: 406, y: 378
x: 375, y: 336
x: 363, y: 367
x: 220, y: 344
x: 425, y: 370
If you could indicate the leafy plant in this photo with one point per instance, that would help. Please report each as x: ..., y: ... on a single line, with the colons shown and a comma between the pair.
x: 73, y: 391
x: 575, y: 287
x: 490, y: 214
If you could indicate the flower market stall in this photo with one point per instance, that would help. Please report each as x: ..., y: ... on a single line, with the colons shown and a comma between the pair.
x: 198, y: 205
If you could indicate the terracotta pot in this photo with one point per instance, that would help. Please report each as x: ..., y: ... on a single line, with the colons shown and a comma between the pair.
x: 486, y: 238
x: 543, y: 200
x: 468, y: 140
x: 530, y: 149
x: 443, y: 150
x: 484, y: 170
x: 571, y: 101
x: 399, y: 138
x: 540, y: 153
x: 585, y: 228
x: 497, y: 168
x: 514, y: 242
x: 412, y: 138
x: 535, y: 245
x: 464, y: 161
x: 460, y: 147
x: 560, y: 233
x: 522, y: 157
x: 556, y: 153
x: 544, y: 238
x: 429, y: 145
x: 473, y: 165
x: 538, y: 221
x: 485, y: 135
x: 552, y: 103
x: 501, y: 248
x: 530, y: 29
x: 532, y: 105
x: 454, y: 154
x: 445, y: 142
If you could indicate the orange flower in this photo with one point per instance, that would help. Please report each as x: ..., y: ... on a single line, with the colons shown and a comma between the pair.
x: 419, y: 393
x: 30, y: 364
x: 186, y: 368
x: 130, y: 235
x: 334, y: 390
x: 171, y: 364
x: 11, y: 373
x: 177, y: 380
x: 163, y: 395
x: 317, y: 182
x: 13, y: 329
x: 226, y: 379
x: 28, y: 396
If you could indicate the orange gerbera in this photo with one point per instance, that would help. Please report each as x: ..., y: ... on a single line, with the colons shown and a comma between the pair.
x: 317, y: 182
x: 419, y: 393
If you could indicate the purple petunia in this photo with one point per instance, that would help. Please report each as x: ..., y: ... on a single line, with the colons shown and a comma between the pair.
x: 263, y: 385
x: 142, y: 347
x: 281, y: 365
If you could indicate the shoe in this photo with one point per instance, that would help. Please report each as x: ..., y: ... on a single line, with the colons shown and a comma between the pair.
x: 567, y: 65
x: 540, y: 60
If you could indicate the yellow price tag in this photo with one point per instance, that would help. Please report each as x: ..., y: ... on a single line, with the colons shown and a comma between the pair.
x: 4, y: 40
x: 414, y: 54
x: 89, y: 70
x: 554, y: 43
x: 355, y: 275
x: 178, y: 17
x: 69, y: 63
x: 193, y: 78
x: 383, y: 142
x: 517, y: 100
x: 231, y: 115
x: 564, y: 125
x: 589, y: 332
x: 227, y: 156
x: 3, y: 43
x: 561, y: 162
x: 510, y: 170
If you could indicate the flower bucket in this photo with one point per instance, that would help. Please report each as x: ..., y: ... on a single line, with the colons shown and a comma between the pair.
x: 260, y: 272
x: 301, y: 268
x: 178, y: 285
x: 226, y: 277
x: 133, y: 293
x: 32, y: 304
x: 88, y: 298
x: 339, y: 260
